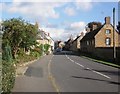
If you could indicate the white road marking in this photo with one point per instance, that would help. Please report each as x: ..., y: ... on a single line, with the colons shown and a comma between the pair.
x: 79, y: 64
x: 89, y: 68
x: 74, y: 61
x: 101, y: 74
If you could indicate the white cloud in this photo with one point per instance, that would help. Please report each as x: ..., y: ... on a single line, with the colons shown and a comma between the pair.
x: 77, y: 25
x: 57, y: 33
x: 39, y: 10
x: 76, y: 28
x: 73, y: 29
x: 70, y: 11
x: 86, y: 5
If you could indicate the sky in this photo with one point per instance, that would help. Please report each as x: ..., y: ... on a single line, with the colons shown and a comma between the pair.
x: 60, y: 18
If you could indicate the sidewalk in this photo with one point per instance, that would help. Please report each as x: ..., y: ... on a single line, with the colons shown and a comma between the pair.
x: 35, y: 78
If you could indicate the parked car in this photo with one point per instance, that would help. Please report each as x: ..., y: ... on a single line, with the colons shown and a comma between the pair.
x: 58, y: 50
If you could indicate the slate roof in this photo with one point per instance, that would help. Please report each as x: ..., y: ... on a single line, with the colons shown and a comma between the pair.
x: 90, y: 35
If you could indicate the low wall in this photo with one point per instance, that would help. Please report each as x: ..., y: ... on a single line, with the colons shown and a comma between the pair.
x: 107, y: 53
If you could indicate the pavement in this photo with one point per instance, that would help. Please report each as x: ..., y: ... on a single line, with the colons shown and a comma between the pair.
x: 35, y: 77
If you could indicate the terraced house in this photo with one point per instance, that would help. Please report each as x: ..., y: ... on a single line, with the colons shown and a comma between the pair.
x: 76, y: 43
x: 99, y: 41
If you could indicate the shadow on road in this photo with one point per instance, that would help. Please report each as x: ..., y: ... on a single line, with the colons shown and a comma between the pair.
x: 34, y: 72
x: 110, y: 72
x: 110, y: 82
x: 117, y: 73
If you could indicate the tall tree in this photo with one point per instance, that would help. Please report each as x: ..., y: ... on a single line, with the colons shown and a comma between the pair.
x: 18, y: 34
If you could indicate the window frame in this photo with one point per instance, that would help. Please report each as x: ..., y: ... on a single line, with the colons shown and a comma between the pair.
x: 108, y: 41
x: 106, y: 31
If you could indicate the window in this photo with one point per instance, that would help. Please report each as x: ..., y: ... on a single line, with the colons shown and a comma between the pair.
x: 107, y: 31
x: 87, y: 42
x: 93, y: 42
x: 108, y: 41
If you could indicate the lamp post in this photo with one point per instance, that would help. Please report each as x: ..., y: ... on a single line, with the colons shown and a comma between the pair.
x: 114, y: 48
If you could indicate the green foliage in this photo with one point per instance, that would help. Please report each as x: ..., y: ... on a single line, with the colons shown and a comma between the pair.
x: 46, y: 47
x: 18, y: 37
x: 37, y: 51
x: 18, y: 34
x: 7, y: 55
x: 8, y: 76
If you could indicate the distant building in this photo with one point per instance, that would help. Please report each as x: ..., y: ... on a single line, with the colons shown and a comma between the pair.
x: 44, y: 38
x: 76, y: 43
x: 68, y: 44
x: 59, y: 44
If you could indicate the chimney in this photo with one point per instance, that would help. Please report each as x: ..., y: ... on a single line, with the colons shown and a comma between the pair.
x: 48, y: 34
x: 107, y: 20
x: 94, y: 27
x: 82, y: 33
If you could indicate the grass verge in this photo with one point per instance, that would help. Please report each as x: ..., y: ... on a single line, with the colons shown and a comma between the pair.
x: 102, y: 62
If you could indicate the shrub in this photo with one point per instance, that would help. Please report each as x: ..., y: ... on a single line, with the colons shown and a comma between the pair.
x: 8, y: 76
x: 46, y: 48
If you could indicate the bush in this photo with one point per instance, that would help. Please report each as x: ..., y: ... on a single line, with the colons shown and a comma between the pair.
x: 8, y: 76
x: 46, y: 48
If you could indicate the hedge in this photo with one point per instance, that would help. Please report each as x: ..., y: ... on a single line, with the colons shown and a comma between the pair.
x: 8, y: 76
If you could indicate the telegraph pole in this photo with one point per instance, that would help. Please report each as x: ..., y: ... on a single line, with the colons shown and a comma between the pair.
x: 114, y: 48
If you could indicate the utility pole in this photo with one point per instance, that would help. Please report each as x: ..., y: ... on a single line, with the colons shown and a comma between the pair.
x: 114, y: 48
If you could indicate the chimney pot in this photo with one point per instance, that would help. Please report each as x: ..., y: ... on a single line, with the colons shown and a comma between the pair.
x: 94, y: 27
x: 107, y: 20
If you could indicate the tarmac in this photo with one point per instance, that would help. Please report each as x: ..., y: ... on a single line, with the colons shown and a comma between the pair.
x: 34, y: 77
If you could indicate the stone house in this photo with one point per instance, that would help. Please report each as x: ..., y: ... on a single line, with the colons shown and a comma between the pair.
x: 68, y: 44
x: 100, y: 40
x: 44, y: 38
x: 76, y: 43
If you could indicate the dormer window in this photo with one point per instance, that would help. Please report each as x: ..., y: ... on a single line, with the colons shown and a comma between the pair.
x: 107, y: 31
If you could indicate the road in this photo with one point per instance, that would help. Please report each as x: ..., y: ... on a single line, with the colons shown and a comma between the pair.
x: 76, y: 74
x: 66, y: 72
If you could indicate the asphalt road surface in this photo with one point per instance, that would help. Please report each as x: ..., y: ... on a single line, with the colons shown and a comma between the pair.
x: 75, y: 74
x: 66, y: 72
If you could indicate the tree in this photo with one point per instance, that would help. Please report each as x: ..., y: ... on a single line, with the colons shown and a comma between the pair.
x: 18, y: 34
x: 90, y: 25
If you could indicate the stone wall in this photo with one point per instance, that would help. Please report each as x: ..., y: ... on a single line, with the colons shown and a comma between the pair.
x: 107, y: 53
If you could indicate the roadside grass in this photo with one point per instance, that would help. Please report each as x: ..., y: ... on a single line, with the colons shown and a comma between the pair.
x: 102, y: 62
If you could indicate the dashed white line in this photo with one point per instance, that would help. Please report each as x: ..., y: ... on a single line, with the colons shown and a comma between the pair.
x: 74, y: 61
x: 89, y: 68
x: 101, y: 74
x: 79, y: 64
